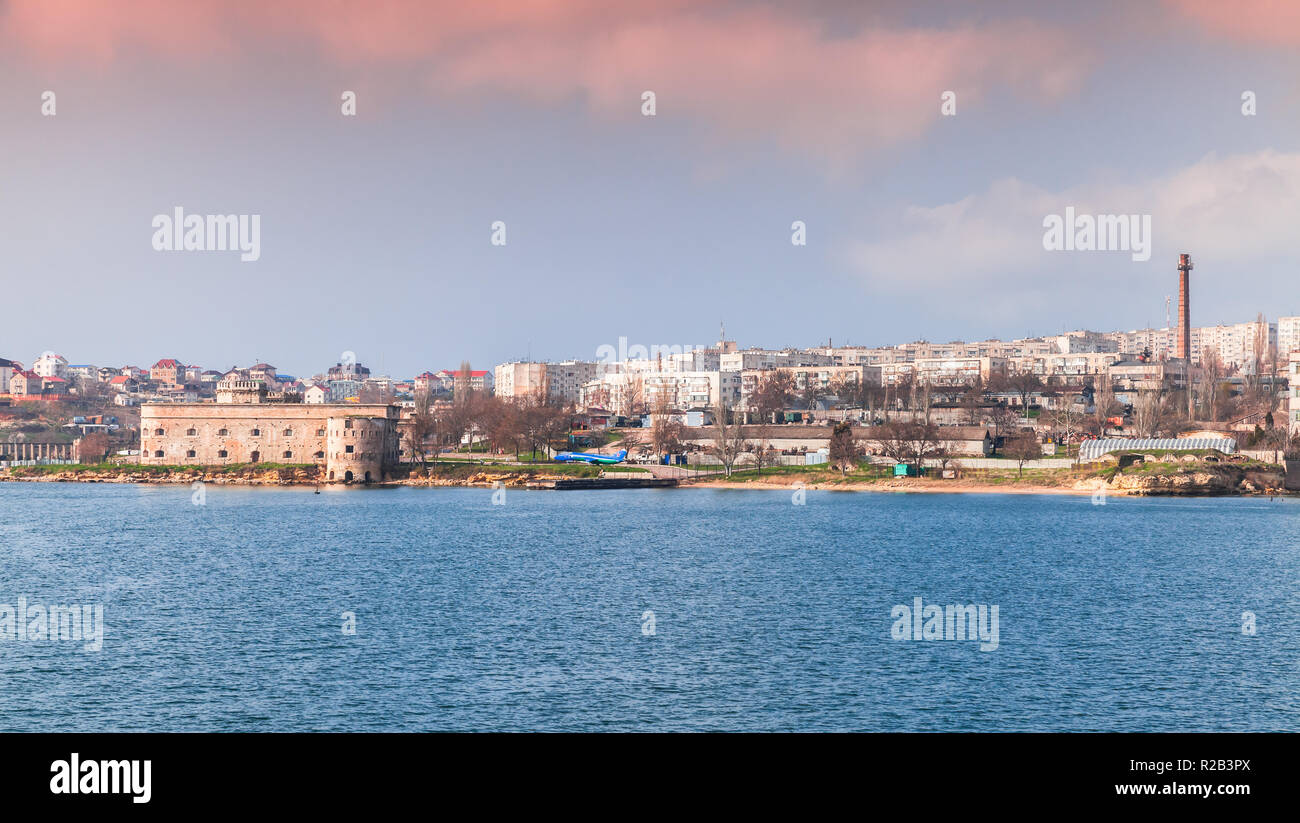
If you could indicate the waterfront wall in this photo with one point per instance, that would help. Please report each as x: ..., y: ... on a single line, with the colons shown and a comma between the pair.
x: 219, y: 434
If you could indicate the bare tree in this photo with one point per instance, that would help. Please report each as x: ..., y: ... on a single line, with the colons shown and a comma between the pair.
x: 421, y: 427
x: 728, y: 438
x: 633, y: 395
x: 1211, y: 372
x: 773, y: 394
x: 1024, y: 383
x: 1104, y: 405
x: 812, y: 391
x: 1003, y: 419
x: 1022, y: 448
x: 93, y: 447
x: 907, y: 442
x: 972, y: 403
x: 844, y: 452
x: 665, y: 431
x: 1067, y: 419
x: 463, y: 383
x: 498, y: 419
x: 1149, y: 412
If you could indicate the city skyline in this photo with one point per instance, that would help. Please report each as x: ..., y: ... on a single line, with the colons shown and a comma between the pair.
x: 376, y: 229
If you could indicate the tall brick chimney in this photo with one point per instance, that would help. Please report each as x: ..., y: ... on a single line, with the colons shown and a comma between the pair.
x: 1184, y: 347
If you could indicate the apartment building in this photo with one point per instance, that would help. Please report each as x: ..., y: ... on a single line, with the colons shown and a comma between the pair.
x: 167, y: 372
x: 50, y: 364
x: 7, y: 370
x: 1150, y: 375
x: 1293, y: 372
x: 825, y: 378
x: 519, y: 379
x: 946, y: 371
x: 1288, y: 337
x: 564, y: 380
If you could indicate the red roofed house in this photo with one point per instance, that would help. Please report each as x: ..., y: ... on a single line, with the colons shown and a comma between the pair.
x: 25, y: 384
x: 479, y: 381
x: 424, y: 383
x: 122, y: 383
x: 168, y: 372
x: 55, y: 386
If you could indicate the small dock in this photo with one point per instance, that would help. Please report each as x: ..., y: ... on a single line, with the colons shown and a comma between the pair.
x: 605, y: 483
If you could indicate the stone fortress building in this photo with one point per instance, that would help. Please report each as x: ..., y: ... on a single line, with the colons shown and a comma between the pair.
x: 351, y: 442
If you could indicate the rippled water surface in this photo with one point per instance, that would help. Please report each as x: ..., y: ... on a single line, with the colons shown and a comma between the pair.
x: 529, y: 615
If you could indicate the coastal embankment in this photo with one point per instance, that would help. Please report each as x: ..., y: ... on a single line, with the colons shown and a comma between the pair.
x: 1157, y: 476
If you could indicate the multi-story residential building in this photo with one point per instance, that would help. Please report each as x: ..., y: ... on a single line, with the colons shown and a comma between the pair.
x: 1288, y: 336
x: 54, y: 386
x: 690, y: 390
x: 477, y: 381
x: 1082, y: 362
x: 1083, y: 341
x: 1149, y: 375
x: 426, y: 383
x: 347, y: 371
x: 1239, y: 344
x: 24, y: 383
x: 167, y: 372
x: 637, y: 392
x: 266, y: 373
x: 564, y: 380
x: 1293, y: 372
x: 946, y: 371
x: 50, y: 364
x: 7, y: 370
x: 519, y: 379
x: 83, y: 371
x: 759, y: 359
x: 824, y: 378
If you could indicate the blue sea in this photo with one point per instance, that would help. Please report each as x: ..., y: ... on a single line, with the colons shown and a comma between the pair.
x: 268, y: 609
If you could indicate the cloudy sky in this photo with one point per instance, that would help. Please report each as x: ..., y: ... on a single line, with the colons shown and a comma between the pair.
x: 376, y: 228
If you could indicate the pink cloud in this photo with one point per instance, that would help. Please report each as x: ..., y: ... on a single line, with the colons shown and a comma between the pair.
x: 1275, y: 22
x: 775, y: 74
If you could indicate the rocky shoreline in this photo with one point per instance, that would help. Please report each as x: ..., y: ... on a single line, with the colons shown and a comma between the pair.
x: 1200, y: 481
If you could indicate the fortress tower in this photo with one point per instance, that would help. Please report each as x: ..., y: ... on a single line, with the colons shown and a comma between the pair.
x: 360, y: 448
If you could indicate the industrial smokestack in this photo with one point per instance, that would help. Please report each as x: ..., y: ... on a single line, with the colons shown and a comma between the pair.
x: 1184, y: 348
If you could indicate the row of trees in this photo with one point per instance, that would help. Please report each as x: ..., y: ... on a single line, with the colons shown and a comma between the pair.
x: 534, y: 424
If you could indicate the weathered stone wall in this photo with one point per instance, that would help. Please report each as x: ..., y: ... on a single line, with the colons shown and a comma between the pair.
x: 360, y: 447
x: 217, y: 434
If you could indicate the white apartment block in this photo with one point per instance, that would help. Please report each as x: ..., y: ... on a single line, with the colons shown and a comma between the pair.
x: 51, y: 365
x: 519, y: 379
x: 636, y: 392
x: 825, y: 378
x: 765, y: 359
x: 946, y: 371
x: 1084, y: 342
x: 690, y: 390
x: 1288, y: 336
x: 564, y: 380
x: 1084, y: 362
x: 1234, y: 344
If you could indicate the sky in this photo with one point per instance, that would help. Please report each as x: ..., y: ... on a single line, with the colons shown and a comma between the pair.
x: 376, y: 229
